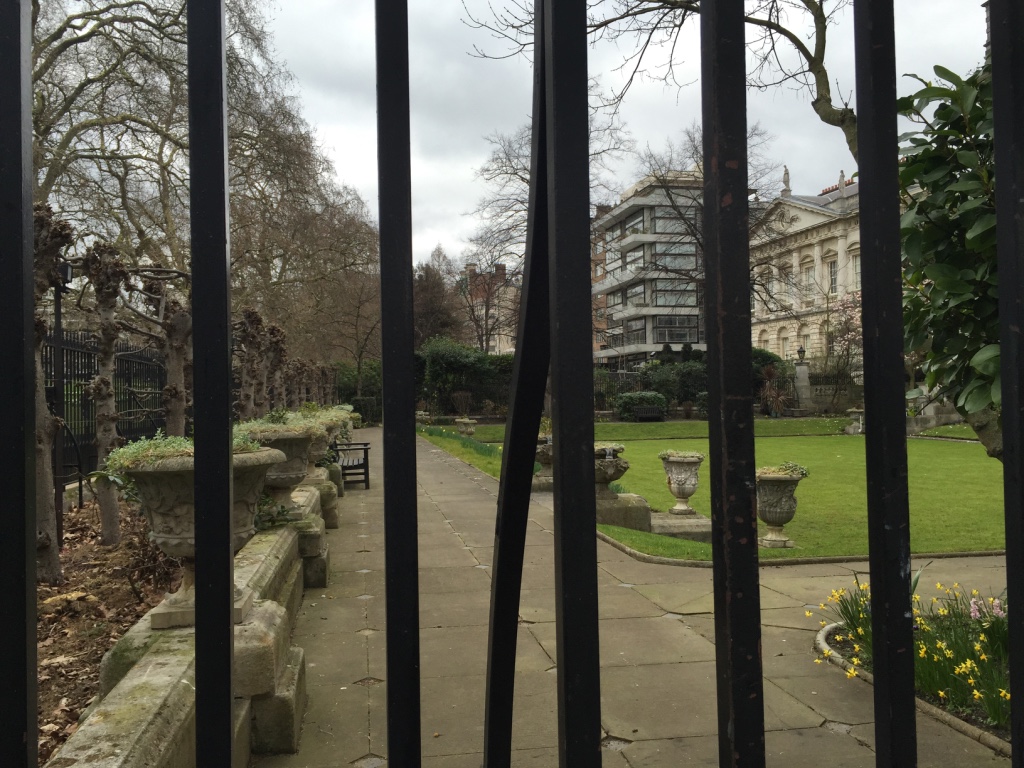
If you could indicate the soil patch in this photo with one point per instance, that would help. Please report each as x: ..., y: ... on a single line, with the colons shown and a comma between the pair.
x: 106, y: 590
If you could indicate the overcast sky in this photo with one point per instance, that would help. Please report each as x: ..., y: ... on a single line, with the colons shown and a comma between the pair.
x: 458, y: 100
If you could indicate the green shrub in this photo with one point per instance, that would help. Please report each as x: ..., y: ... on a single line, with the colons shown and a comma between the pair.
x: 692, y: 378
x: 627, y: 401
x: 701, y: 405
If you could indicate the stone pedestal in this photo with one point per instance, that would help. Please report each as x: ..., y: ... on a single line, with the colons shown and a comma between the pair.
x: 695, y: 527
x: 802, y: 385
x: 627, y: 510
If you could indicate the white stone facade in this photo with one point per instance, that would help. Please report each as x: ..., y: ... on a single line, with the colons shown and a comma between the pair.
x: 807, y: 264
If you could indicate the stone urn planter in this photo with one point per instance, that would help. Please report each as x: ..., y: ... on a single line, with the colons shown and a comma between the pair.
x: 776, y: 501
x: 466, y: 426
x: 166, y: 489
x: 681, y: 470
x: 608, y: 468
x: 293, y: 440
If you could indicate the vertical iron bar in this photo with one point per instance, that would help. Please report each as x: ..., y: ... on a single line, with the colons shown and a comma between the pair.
x: 529, y: 377
x: 211, y: 302
x: 1007, y: 28
x: 401, y: 562
x: 17, y: 449
x: 572, y: 400
x: 58, y: 411
x: 730, y: 400
x: 884, y: 401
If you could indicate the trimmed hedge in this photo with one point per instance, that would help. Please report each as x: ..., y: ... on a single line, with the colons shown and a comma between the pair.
x: 626, y: 402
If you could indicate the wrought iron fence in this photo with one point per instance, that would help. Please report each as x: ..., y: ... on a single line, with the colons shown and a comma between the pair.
x: 556, y: 309
x: 139, y: 378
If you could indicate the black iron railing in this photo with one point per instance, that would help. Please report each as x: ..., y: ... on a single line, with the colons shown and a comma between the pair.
x: 556, y: 308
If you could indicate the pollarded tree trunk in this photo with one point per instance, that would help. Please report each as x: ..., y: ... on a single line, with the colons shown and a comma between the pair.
x: 275, y: 362
x: 177, y: 350
x: 106, y: 274
x: 48, y: 569
x: 52, y: 236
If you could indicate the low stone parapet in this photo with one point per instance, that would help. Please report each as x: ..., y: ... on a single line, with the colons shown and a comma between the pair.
x: 145, y: 715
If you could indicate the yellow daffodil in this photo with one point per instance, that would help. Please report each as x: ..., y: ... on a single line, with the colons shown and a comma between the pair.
x: 942, y: 694
x: 977, y: 694
x: 851, y: 673
x: 808, y: 614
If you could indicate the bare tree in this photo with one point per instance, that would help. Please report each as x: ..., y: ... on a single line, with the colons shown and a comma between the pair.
x: 52, y: 238
x: 487, y: 296
x: 787, y: 41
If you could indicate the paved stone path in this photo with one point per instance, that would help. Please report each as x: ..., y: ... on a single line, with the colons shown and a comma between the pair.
x: 657, y: 647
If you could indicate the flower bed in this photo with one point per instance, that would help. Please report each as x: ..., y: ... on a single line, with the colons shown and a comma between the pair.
x: 961, y: 641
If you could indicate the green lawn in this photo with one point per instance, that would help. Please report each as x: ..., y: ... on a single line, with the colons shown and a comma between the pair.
x: 620, y: 431
x: 950, y: 483
x: 955, y: 493
x: 955, y: 431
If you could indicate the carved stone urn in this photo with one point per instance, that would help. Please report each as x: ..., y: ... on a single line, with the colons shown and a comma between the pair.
x: 776, y: 506
x: 291, y: 470
x: 608, y: 468
x: 166, y: 489
x: 681, y: 471
x: 466, y: 426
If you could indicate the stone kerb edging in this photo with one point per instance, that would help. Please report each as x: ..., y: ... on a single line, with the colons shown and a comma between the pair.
x: 659, y: 560
x: 146, y: 716
x: 977, y: 734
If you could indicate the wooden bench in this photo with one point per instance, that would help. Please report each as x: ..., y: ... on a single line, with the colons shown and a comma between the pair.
x: 354, y: 460
x: 648, y: 413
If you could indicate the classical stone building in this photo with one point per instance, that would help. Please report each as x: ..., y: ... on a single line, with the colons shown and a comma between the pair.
x: 647, y: 273
x: 806, y: 264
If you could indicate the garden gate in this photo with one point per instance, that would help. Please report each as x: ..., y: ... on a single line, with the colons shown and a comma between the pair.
x: 556, y: 297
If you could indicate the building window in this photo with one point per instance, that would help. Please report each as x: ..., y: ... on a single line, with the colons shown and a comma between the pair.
x: 599, y: 269
x: 635, y: 293
x: 682, y: 256
x: 614, y: 298
x: 676, y: 329
x: 635, y: 258
x: 787, y: 288
x: 784, y: 342
x: 856, y: 272
x: 634, y: 224
x: 808, y: 281
x: 636, y: 331
x: 833, y: 277
x: 667, y: 220
x: 675, y: 293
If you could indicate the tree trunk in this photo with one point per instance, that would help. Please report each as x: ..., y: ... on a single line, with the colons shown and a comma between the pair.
x: 989, y: 430
x: 48, y: 568
x: 178, y: 328
x: 106, y: 274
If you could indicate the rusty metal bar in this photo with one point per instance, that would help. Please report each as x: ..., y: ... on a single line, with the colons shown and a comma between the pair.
x: 572, y: 400
x: 1007, y: 24
x: 211, y: 320
x: 401, y: 569
x: 17, y: 449
x: 529, y: 377
x: 884, y: 401
x: 730, y: 401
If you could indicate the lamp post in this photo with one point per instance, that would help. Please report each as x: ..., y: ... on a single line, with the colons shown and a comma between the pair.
x: 801, y: 352
x: 59, y: 289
